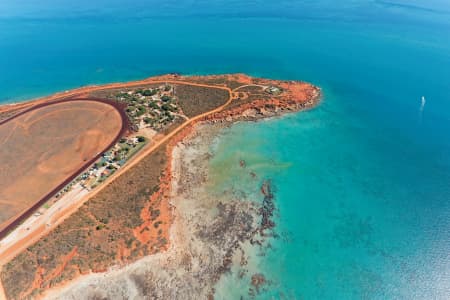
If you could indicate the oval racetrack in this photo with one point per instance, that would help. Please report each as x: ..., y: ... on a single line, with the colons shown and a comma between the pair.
x: 45, y: 147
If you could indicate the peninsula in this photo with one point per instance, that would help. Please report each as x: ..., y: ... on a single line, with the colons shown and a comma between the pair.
x: 90, y: 179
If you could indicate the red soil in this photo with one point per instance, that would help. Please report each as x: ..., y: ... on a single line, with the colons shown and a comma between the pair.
x: 39, y: 276
x: 161, y: 197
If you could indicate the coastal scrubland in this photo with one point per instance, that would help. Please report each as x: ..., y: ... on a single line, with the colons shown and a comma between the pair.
x: 195, y: 100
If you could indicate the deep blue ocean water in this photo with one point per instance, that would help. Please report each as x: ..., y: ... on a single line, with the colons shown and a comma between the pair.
x: 362, y: 181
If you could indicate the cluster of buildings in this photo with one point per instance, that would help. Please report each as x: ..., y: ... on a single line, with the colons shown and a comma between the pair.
x: 109, y: 162
x: 150, y: 108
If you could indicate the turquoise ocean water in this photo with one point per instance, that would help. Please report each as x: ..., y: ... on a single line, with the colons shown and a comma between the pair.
x: 362, y: 181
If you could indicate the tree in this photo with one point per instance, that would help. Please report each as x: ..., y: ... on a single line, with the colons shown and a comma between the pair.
x: 165, y: 107
x: 122, y: 95
x: 148, y: 92
x: 165, y: 98
x: 141, y: 139
x: 153, y: 104
x: 126, y: 149
x: 141, y: 110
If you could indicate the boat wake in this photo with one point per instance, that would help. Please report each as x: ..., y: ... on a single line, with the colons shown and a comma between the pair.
x: 422, y: 107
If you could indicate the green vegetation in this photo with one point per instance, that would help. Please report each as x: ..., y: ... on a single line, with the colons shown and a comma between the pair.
x: 149, y: 106
x: 151, y: 92
x: 153, y: 104
x: 165, y: 98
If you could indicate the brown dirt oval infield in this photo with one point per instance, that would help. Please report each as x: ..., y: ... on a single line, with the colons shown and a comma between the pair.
x: 45, y: 147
